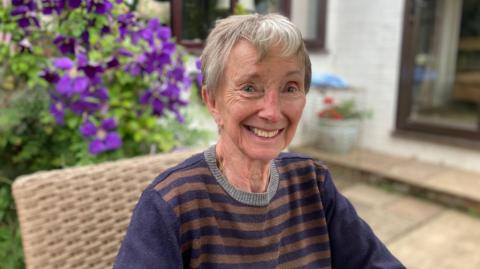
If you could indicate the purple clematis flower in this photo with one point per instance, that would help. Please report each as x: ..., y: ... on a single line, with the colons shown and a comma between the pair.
x: 104, y: 136
x: 92, y: 71
x: 19, y: 10
x: 100, y: 6
x: 57, y: 109
x: 152, y: 97
x: 198, y: 64
x: 136, y: 67
x: 26, y: 21
x: 74, y: 3
x: 48, y: 6
x: 50, y: 76
x: 125, y: 21
x: 24, y: 12
x: 70, y: 85
x: 124, y: 52
x: 162, y: 98
x: 63, y: 63
x: 66, y: 45
x: 173, y: 106
x: 91, y: 101
x: 113, y: 63
x: 85, y: 38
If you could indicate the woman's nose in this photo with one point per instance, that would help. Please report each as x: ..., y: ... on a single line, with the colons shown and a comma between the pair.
x: 270, y: 109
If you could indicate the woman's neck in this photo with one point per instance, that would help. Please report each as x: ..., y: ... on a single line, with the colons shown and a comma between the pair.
x: 243, y: 173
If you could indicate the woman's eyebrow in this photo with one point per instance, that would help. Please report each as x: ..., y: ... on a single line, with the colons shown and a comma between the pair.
x: 294, y: 72
x: 248, y: 76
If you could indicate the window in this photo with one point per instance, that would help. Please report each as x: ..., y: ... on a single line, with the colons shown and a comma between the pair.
x: 191, y: 20
x: 439, y: 90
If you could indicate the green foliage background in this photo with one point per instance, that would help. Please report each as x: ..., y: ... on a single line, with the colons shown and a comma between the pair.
x: 31, y: 141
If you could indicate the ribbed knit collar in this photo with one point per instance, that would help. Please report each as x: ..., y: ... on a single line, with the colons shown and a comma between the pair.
x: 249, y: 198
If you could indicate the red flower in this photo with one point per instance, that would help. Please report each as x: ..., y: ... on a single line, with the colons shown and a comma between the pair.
x: 328, y: 100
x: 334, y: 114
x: 322, y: 113
x: 331, y: 113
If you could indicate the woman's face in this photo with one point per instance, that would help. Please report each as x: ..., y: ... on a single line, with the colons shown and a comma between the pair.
x: 258, y: 104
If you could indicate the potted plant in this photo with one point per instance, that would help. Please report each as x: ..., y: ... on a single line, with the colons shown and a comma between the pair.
x: 338, y: 125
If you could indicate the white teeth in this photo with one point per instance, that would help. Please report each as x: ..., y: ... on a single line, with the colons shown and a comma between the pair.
x: 263, y: 133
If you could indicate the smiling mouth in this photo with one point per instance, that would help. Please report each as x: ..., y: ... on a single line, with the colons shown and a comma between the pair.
x: 264, y: 133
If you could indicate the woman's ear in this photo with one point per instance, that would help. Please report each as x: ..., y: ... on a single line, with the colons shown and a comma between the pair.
x: 212, y: 105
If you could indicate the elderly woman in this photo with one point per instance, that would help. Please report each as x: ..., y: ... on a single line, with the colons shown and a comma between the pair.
x: 242, y: 203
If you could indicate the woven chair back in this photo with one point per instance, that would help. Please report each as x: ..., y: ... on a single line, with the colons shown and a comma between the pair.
x: 77, y: 217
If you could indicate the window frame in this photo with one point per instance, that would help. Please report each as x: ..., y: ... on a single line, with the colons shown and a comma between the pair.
x: 403, y: 124
x: 317, y: 44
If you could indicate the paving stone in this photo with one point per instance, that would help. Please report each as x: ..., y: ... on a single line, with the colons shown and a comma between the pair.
x: 413, y: 171
x: 421, y: 234
x: 372, y: 161
x: 414, y: 209
x: 343, y: 178
x: 359, y: 158
x: 369, y: 196
x: 451, y: 240
x: 461, y: 183
x: 390, y: 215
x: 446, y: 185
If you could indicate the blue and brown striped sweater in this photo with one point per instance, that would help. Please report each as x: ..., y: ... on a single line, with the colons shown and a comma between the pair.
x: 191, y: 217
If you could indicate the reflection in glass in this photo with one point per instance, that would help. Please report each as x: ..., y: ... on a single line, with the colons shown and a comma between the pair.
x: 265, y: 6
x: 304, y: 15
x: 199, y: 17
x: 447, y: 63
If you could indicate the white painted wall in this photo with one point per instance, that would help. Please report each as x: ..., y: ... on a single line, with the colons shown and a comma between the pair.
x: 364, y: 45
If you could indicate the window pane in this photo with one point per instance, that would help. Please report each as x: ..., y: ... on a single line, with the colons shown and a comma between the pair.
x: 446, y: 88
x: 304, y: 15
x: 155, y: 9
x: 263, y: 6
x: 199, y: 17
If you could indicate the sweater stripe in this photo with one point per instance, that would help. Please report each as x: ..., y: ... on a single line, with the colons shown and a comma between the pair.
x: 292, y: 252
x: 204, y: 212
x: 190, y: 193
x: 249, y: 235
x: 289, y: 236
x: 216, y: 230
x: 225, y: 249
x: 324, y: 255
x: 245, y: 226
x: 189, y: 174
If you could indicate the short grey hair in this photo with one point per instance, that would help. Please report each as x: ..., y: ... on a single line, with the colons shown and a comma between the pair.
x: 263, y: 32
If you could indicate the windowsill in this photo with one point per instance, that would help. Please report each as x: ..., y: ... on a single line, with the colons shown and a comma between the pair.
x: 438, y: 139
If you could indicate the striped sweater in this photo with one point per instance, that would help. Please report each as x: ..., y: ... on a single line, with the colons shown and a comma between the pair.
x: 192, y: 217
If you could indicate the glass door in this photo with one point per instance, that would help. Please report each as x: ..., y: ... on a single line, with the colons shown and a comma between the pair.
x: 440, y: 80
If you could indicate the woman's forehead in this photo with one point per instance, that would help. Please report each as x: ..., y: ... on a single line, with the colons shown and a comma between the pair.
x: 246, y: 55
x: 245, y: 48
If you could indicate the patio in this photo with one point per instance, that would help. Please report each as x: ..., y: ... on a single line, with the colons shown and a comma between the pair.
x: 425, y: 232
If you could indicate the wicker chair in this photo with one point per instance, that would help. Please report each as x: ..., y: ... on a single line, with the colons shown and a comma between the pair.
x: 77, y: 217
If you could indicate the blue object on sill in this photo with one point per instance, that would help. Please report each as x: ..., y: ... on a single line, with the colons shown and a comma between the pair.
x: 328, y: 81
x: 424, y: 74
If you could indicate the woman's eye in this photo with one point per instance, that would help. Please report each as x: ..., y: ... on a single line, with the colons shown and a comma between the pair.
x: 248, y: 89
x: 292, y: 89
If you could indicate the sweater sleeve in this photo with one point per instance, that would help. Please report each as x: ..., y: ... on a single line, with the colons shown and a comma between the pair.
x: 353, y: 243
x: 151, y: 240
